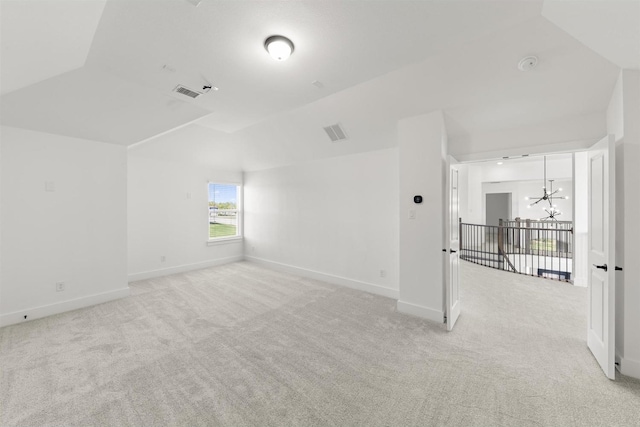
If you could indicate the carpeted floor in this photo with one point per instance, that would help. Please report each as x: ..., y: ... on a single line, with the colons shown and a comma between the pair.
x: 240, y: 345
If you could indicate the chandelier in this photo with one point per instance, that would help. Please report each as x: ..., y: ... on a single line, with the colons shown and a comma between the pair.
x: 548, y: 197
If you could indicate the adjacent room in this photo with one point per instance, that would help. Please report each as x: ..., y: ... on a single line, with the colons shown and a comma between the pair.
x: 222, y: 212
x: 517, y: 214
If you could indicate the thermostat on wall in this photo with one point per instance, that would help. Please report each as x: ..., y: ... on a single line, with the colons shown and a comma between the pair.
x: 417, y: 199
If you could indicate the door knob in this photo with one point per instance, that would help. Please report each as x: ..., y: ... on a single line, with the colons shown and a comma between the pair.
x: 452, y: 251
x: 603, y: 267
x: 618, y: 268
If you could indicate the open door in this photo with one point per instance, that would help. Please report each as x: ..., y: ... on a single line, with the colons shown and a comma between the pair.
x: 452, y: 245
x: 601, y: 278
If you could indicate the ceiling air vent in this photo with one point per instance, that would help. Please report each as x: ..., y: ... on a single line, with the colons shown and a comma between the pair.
x: 185, y: 91
x: 335, y: 132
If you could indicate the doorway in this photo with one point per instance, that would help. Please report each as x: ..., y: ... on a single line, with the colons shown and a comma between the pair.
x: 497, y: 207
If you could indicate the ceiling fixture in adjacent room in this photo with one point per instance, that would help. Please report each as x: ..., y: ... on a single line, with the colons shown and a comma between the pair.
x: 548, y: 196
x: 279, y: 47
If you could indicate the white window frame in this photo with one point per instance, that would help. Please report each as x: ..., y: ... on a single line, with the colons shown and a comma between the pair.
x: 239, y: 216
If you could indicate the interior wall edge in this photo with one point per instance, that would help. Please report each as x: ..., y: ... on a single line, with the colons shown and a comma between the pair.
x: 182, y: 268
x: 61, y: 307
x: 420, y: 311
x: 329, y: 278
x: 553, y: 148
x: 630, y: 367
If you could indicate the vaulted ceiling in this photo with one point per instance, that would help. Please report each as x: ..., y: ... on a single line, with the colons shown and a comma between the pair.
x: 106, y: 70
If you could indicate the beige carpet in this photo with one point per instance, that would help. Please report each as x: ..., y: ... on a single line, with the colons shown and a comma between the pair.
x: 240, y: 345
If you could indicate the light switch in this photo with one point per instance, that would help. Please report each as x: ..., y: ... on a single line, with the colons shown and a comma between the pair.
x: 412, y: 214
x: 49, y: 186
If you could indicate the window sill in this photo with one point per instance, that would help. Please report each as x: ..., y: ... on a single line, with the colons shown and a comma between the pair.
x: 224, y: 240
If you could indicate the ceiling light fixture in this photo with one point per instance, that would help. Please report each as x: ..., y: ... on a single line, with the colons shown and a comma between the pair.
x: 548, y: 196
x: 279, y: 47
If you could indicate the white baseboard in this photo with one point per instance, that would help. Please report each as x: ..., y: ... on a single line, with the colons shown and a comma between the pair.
x: 329, y: 278
x: 420, y: 311
x: 580, y: 281
x: 61, y: 307
x: 183, y: 268
x: 629, y: 367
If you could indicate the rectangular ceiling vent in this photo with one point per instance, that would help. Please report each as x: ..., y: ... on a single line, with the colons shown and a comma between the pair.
x: 335, y: 132
x: 186, y: 91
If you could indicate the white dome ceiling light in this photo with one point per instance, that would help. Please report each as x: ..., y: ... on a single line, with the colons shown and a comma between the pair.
x: 528, y: 63
x: 279, y: 47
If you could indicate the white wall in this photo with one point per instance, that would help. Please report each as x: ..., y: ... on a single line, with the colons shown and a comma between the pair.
x: 622, y: 121
x: 487, y: 176
x: 421, y: 145
x: 631, y: 274
x: 168, y: 215
x: 474, y: 207
x: 334, y: 219
x: 575, y: 132
x: 615, y: 111
x: 1, y: 241
x: 519, y: 177
x: 75, y: 234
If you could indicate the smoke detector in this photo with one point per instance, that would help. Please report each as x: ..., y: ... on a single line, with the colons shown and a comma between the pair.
x: 528, y: 63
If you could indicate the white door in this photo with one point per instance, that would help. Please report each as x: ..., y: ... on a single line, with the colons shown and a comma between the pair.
x: 601, y: 279
x: 452, y: 245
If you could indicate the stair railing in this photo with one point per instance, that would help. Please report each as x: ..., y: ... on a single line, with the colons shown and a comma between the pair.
x: 529, y: 247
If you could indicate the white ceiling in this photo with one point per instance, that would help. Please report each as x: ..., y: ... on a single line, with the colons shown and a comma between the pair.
x: 93, y: 104
x: 610, y: 28
x: 339, y: 43
x: 105, y: 72
x: 477, y: 85
x: 42, y: 39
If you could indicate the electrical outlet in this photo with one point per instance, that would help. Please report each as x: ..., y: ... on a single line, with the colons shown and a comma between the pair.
x: 59, y: 286
x: 163, y: 258
x: 383, y: 273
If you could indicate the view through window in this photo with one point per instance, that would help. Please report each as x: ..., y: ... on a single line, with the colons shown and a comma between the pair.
x: 223, y: 210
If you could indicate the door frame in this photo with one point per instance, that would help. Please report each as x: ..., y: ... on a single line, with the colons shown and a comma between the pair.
x: 451, y: 244
x: 602, y: 298
x: 533, y: 152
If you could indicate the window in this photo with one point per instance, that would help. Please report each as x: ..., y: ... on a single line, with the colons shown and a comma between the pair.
x: 224, y: 211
